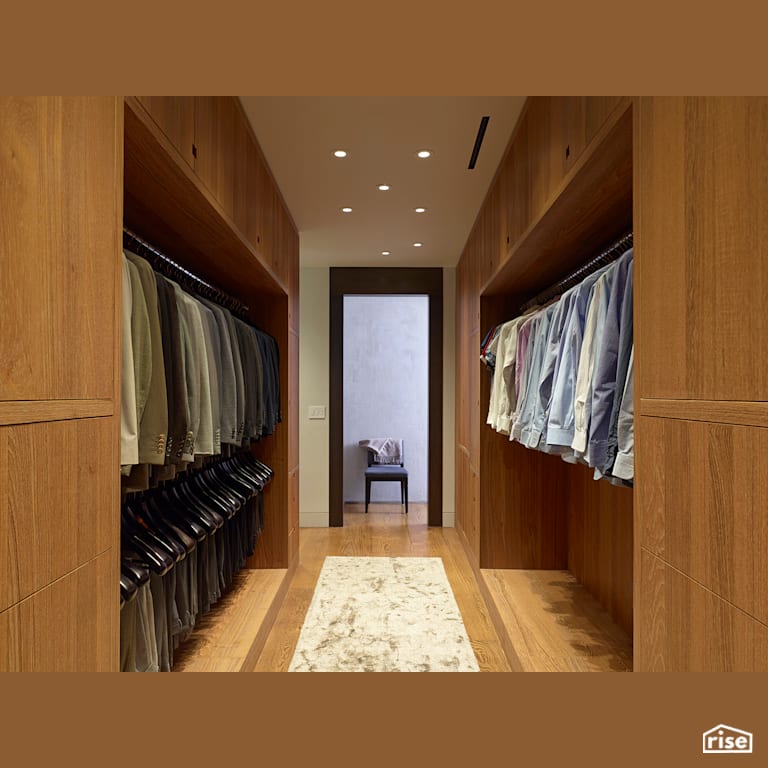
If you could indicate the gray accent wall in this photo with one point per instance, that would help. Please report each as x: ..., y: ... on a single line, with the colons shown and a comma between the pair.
x: 386, y: 343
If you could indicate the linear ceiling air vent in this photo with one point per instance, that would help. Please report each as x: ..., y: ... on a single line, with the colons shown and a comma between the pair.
x: 478, y: 141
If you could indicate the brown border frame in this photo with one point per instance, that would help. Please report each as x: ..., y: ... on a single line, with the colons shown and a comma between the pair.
x: 384, y: 281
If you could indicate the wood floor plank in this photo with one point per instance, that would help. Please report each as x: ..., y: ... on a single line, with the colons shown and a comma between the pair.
x: 554, y: 624
x: 230, y: 637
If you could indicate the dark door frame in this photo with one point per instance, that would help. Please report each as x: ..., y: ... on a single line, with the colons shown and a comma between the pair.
x: 382, y: 281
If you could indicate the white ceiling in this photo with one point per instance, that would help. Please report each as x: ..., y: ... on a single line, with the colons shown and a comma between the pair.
x: 382, y: 135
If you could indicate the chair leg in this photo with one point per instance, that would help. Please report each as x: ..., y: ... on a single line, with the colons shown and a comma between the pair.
x: 406, y: 495
x: 402, y: 493
x: 367, y: 494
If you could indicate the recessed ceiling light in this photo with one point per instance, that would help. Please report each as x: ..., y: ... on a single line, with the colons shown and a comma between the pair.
x: 383, y: 187
x: 420, y: 210
x: 417, y: 245
x: 339, y: 153
x: 385, y: 253
x: 346, y: 210
x: 422, y: 153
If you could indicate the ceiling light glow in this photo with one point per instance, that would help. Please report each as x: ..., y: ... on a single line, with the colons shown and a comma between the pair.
x: 417, y: 245
x: 346, y: 210
x: 339, y: 153
x: 423, y: 153
x: 386, y: 253
x: 420, y: 210
x: 383, y: 187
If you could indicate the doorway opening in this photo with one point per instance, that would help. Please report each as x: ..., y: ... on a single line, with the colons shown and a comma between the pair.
x: 378, y: 363
x: 386, y: 404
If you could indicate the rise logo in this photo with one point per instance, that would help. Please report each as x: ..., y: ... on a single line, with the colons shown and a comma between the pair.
x: 723, y: 739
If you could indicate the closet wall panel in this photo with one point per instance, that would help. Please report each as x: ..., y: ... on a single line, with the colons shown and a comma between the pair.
x: 69, y: 626
x: 175, y: 116
x: 702, y: 197
x: 55, y: 511
x: 704, y: 501
x: 57, y: 230
x: 701, y: 190
x: 61, y: 164
x: 216, y: 119
x: 687, y: 628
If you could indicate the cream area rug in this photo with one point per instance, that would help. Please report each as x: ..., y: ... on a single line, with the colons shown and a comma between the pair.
x: 383, y: 614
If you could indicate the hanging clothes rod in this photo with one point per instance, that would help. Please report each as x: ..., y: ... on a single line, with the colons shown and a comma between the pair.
x: 623, y: 244
x: 183, y: 276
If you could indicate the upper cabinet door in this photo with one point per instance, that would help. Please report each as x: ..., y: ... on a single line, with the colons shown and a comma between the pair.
x: 60, y: 202
x: 175, y: 116
x: 215, y: 142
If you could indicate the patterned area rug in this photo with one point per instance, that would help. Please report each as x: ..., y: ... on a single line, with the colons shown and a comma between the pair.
x: 383, y: 614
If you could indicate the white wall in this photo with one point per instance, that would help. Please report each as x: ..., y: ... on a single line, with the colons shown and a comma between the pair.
x: 386, y: 389
x: 314, y: 349
x: 313, y: 390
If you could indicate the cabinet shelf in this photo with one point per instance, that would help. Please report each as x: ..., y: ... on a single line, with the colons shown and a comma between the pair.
x: 167, y: 203
x: 591, y: 207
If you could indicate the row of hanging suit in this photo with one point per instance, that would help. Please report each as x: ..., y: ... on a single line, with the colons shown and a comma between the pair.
x: 195, y: 378
x: 198, y: 385
x: 562, y: 374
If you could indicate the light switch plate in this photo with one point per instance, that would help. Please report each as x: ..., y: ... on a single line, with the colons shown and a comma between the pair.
x: 316, y: 411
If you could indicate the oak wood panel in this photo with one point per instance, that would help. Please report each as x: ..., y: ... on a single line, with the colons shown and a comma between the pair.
x: 552, y: 623
x: 546, y: 149
x: 175, y: 116
x: 596, y: 110
x: 231, y: 637
x: 523, y: 499
x: 384, y: 531
x: 30, y: 411
x: 166, y: 203
x: 519, y: 189
x: 58, y: 216
x: 702, y: 213
x: 600, y: 541
x: 70, y: 626
x: 684, y: 627
x: 749, y: 414
x: 58, y: 508
x: 589, y: 209
x: 216, y: 120
x: 702, y: 509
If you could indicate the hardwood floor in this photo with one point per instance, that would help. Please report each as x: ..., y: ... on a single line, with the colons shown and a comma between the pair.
x: 384, y: 531
x: 544, y: 620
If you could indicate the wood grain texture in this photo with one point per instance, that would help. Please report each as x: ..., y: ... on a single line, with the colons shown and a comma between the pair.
x: 702, y: 509
x: 231, y: 637
x: 384, y: 531
x: 523, y: 502
x: 216, y: 118
x: 175, y: 116
x: 684, y: 627
x: 702, y: 214
x: 30, y: 411
x: 167, y: 203
x: 600, y: 542
x: 70, y: 626
x: 750, y: 414
x: 586, y: 210
x: 551, y: 623
x: 58, y: 219
x: 58, y: 506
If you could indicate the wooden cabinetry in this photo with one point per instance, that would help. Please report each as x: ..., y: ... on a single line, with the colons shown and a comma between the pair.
x: 562, y: 190
x: 701, y: 384
x: 61, y: 161
x: 175, y: 116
